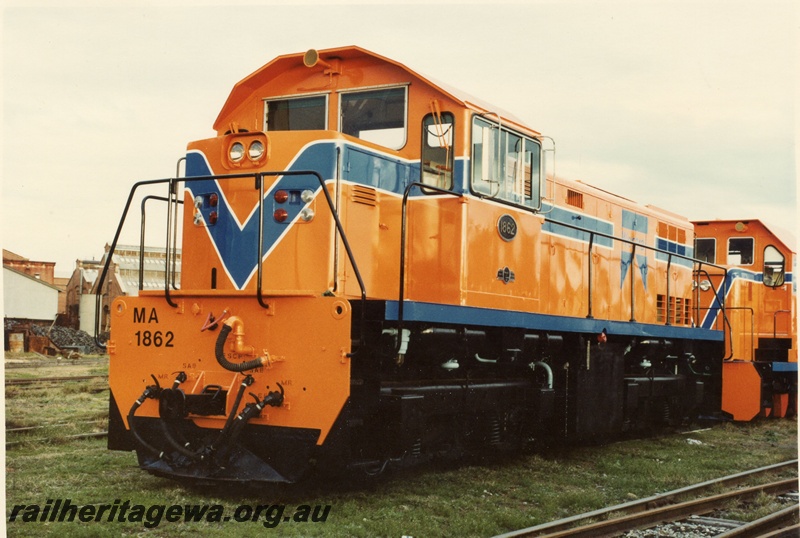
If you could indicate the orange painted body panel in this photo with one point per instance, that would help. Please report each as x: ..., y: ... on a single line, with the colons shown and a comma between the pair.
x: 434, y: 250
x: 149, y: 337
x: 741, y: 390
x: 486, y: 254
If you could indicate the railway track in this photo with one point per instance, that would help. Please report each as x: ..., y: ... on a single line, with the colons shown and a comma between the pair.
x: 54, y: 362
x: 16, y: 432
x: 35, y: 380
x: 77, y: 436
x: 20, y: 435
x: 655, y: 510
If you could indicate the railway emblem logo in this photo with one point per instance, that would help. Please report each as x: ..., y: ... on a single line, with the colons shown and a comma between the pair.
x: 506, y: 275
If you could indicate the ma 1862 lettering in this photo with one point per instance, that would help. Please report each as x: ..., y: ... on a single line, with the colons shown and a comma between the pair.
x: 149, y: 338
x: 154, y: 338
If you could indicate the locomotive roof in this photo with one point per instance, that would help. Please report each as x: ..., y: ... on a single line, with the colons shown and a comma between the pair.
x: 781, y: 234
x: 247, y: 85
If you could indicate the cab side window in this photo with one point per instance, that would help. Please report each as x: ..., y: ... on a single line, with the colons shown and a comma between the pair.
x: 437, y: 150
x: 505, y: 165
x: 740, y: 251
x: 296, y: 114
x: 774, y: 267
x: 377, y: 116
x: 705, y: 249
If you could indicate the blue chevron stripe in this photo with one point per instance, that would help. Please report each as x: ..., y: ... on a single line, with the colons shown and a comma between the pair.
x: 237, y: 243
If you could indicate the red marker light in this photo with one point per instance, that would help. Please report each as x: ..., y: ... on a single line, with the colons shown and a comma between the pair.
x: 281, y: 196
x: 213, y: 200
x: 280, y: 215
x: 602, y: 338
x: 212, y: 218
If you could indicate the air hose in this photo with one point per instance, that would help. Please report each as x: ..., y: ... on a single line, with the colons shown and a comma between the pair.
x: 253, y: 409
x: 151, y: 391
x: 247, y: 381
x: 219, y: 350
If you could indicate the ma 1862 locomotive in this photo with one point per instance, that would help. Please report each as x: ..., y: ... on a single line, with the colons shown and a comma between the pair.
x: 378, y: 270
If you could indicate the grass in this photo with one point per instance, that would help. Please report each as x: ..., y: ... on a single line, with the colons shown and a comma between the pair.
x: 478, y: 498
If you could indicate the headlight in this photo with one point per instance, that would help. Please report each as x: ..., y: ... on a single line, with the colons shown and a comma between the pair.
x: 256, y: 150
x: 236, y: 152
x: 705, y: 285
x: 307, y: 214
x: 307, y: 195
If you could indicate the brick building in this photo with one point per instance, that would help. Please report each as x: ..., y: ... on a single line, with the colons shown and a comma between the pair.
x: 123, y: 278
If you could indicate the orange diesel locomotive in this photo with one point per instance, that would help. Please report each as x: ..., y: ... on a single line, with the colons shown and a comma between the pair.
x: 759, y: 373
x: 377, y: 269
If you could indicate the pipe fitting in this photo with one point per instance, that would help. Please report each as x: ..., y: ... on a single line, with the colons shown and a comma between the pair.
x: 234, y: 323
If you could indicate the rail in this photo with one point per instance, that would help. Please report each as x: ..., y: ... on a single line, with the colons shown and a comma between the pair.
x: 614, y: 527
x: 752, y: 329
x: 142, y: 243
x: 775, y: 321
x: 172, y: 201
x: 720, y: 303
x: 403, y: 234
x: 670, y: 256
x: 590, y: 280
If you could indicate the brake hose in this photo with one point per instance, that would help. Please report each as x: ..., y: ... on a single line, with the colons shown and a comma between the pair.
x: 219, y: 351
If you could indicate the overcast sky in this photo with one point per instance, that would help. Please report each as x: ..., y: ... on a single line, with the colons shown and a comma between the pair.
x: 690, y: 106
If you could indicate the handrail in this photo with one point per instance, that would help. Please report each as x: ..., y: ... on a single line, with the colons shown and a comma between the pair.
x: 175, y: 231
x: 99, y: 285
x: 775, y: 321
x: 720, y: 303
x: 670, y: 256
x: 172, y: 194
x: 141, y: 239
x: 666, y: 306
x: 591, y: 244
x: 260, y: 186
x: 171, y: 182
x: 633, y: 283
x: 752, y: 330
x: 403, y: 229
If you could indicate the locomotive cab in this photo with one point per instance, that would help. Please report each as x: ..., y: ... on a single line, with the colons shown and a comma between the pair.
x: 759, y: 372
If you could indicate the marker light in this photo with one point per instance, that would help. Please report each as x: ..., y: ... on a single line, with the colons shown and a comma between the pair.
x: 256, y: 150
x: 212, y: 218
x: 306, y: 196
x: 213, y: 199
x: 280, y: 215
x: 236, y: 152
x: 281, y: 196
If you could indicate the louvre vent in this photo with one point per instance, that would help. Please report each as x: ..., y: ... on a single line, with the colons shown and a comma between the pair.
x: 364, y: 195
x: 575, y: 198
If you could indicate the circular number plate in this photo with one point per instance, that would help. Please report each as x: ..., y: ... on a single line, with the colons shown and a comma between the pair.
x: 507, y: 227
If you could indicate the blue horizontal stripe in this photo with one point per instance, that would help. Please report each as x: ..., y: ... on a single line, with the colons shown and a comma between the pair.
x: 487, y: 317
x: 557, y: 216
x: 784, y: 367
x: 674, y: 248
